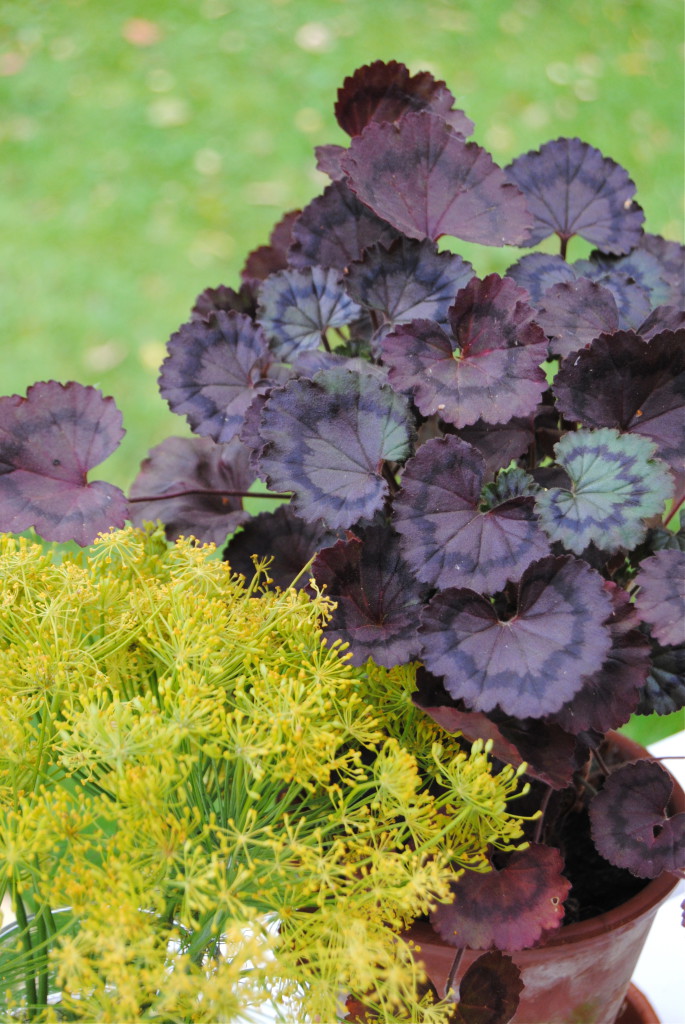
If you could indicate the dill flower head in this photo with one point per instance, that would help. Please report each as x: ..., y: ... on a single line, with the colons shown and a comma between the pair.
x: 232, y: 814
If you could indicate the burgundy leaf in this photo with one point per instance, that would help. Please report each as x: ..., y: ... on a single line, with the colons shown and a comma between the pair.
x: 663, y: 318
x: 632, y: 300
x: 499, y: 443
x: 609, y: 697
x: 326, y: 440
x: 335, y: 228
x: 538, y: 271
x: 426, y: 181
x: 631, y: 824
x: 193, y: 472
x: 636, y: 386
x: 385, y: 92
x: 328, y: 161
x: 640, y: 266
x: 211, y: 300
x: 664, y: 690
x: 377, y: 599
x: 489, y: 990
x: 508, y: 909
x: 661, y: 599
x: 573, y: 313
x: 267, y: 259
x: 671, y: 259
x: 407, y: 280
x: 573, y: 190
x: 213, y: 371
x: 445, y: 538
x: 532, y: 661
x: 282, y: 536
x: 49, y: 440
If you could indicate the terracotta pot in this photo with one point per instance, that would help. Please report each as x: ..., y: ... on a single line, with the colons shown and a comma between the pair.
x: 637, y: 1009
x: 581, y: 975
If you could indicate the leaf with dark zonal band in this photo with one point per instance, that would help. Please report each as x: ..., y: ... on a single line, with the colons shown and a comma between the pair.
x: 336, y: 228
x: 211, y: 300
x: 385, y: 92
x: 573, y: 313
x: 499, y: 443
x: 198, y: 466
x: 671, y: 259
x: 326, y: 440
x: 630, y: 822
x: 407, y: 280
x: 422, y: 177
x: 509, y: 909
x: 664, y: 690
x: 634, y: 385
x: 573, y: 190
x: 489, y: 369
x: 49, y: 440
x: 489, y: 990
x: 297, y: 307
x: 213, y: 371
x: 616, y: 483
x: 661, y: 598
x: 534, y: 660
x: 538, y: 271
x: 445, y: 537
x: 640, y: 266
x: 377, y: 599
x: 282, y: 536
x: 632, y: 300
x: 663, y: 318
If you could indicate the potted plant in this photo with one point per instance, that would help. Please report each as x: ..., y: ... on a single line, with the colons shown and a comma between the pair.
x: 485, y: 469
x: 204, y: 808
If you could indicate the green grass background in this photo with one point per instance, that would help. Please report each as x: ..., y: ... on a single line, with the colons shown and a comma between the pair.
x: 146, y: 147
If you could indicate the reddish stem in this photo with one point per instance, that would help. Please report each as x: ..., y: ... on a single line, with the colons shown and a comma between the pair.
x: 214, y: 494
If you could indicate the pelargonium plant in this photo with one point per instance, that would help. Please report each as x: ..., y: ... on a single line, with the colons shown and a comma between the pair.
x: 486, y: 471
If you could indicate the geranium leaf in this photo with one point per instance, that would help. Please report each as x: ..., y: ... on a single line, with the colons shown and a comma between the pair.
x: 573, y: 190
x: 661, y: 598
x: 663, y: 318
x: 377, y: 599
x: 489, y: 990
x: 422, y: 177
x: 640, y: 266
x: 385, y: 92
x: 193, y: 469
x: 631, y: 825
x: 328, y: 161
x: 573, y: 313
x: 214, y: 369
x: 282, y: 536
x: 633, y: 385
x: 509, y: 909
x: 664, y: 690
x: 336, y: 228
x: 445, y: 537
x: 267, y: 259
x: 632, y: 300
x: 211, y: 300
x: 532, y: 661
x: 326, y: 440
x: 407, y: 280
x: 297, y: 307
x: 538, y: 271
x: 616, y: 483
x: 489, y: 369
x: 49, y: 441
x: 671, y: 259
x: 499, y: 443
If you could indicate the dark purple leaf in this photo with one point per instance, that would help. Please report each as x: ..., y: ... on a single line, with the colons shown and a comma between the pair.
x: 267, y: 259
x: 282, y: 536
x: 632, y: 300
x: 671, y: 259
x: 385, y: 92
x: 640, y: 266
x: 377, y: 599
x: 633, y: 385
x: 538, y: 271
x: 573, y: 190
x: 489, y: 369
x: 213, y: 371
x: 573, y: 313
x: 297, y: 307
x: 335, y: 228
x: 499, y: 443
x: 408, y: 280
x: 509, y: 909
x: 200, y: 468
x: 631, y: 824
x: 49, y: 441
x: 663, y: 318
x: 661, y: 599
x: 609, y: 697
x: 326, y: 440
x: 328, y: 161
x: 616, y: 484
x: 445, y: 538
x: 425, y: 180
x: 489, y: 990
x: 532, y: 661
x: 211, y: 300
x: 664, y: 690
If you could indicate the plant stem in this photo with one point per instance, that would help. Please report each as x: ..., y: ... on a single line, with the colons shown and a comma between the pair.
x: 30, y: 980
x: 541, y: 820
x: 42, y: 936
x: 212, y: 494
x: 449, y: 984
x: 675, y: 508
